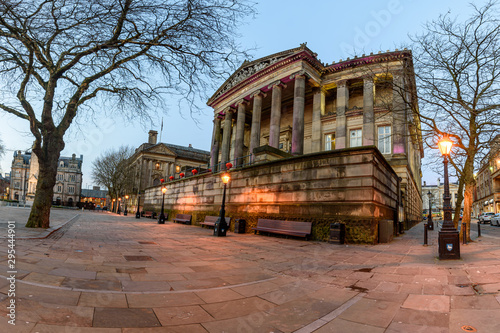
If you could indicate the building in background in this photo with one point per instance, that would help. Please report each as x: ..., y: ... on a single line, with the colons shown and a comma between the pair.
x: 94, y: 198
x: 437, y: 192
x: 154, y: 161
x: 24, y: 179
x: 4, y: 186
x: 487, y: 190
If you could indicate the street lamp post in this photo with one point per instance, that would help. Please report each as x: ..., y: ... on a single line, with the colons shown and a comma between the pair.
x: 430, y: 224
x: 113, y: 205
x: 161, y: 219
x: 119, y: 204
x: 449, y: 241
x: 125, y: 212
x: 138, y: 213
x: 220, y: 227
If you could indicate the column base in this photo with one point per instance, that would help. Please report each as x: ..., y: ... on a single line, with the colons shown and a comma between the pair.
x: 449, y: 245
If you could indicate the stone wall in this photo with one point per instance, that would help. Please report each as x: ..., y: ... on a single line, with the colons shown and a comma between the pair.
x: 355, y: 186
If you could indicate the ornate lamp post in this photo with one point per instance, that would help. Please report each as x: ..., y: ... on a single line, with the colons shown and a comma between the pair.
x: 119, y: 204
x: 113, y: 205
x: 138, y: 213
x: 430, y: 224
x: 161, y: 219
x: 125, y: 212
x: 220, y: 227
x: 449, y: 242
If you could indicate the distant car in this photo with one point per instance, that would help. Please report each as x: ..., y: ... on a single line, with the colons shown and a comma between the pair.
x: 460, y: 217
x: 485, y: 217
x: 495, y: 220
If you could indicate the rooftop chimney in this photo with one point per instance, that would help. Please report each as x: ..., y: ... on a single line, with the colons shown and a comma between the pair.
x: 152, y: 137
x: 425, y: 184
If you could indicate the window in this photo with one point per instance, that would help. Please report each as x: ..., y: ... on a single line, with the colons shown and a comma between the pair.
x: 72, y: 178
x: 60, y: 177
x: 157, y: 166
x: 330, y: 141
x: 61, y: 163
x: 355, y: 138
x: 384, y: 139
x: 17, y: 185
x: 71, y: 189
x: 59, y: 188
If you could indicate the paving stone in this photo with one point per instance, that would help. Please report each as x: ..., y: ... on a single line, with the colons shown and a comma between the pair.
x: 487, y: 302
x: 482, y: 320
x: 47, y: 295
x: 256, y: 289
x: 86, y: 284
x: 422, y: 318
x: 43, y: 328
x: 371, y: 312
x: 163, y: 300
x: 182, y: 315
x: 218, y: 295
x: 44, y: 279
x: 396, y: 327
x: 428, y: 303
x: 73, y: 273
x: 195, y: 328
x: 237, y: 308
x: 119, y: 317
x: 341, y: 325
x: 107, y: 300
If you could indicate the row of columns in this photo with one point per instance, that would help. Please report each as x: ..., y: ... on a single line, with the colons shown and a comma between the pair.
x: 341, y: 136
x: 147, y: 167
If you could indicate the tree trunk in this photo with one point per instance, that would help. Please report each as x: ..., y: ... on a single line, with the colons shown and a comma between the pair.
x: 48, y: 158
x: 468, y: 207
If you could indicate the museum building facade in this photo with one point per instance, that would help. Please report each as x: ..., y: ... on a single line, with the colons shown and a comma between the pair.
x: 316, y: 142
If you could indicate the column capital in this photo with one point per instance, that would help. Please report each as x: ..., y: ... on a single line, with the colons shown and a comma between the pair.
x: 316, y: 90
x: 301, y: 73
x: 368, y: 78
x: 229, y: 109
x: 341, y: 83
x: 277, y: 84
x: 258, y: 93
x: 241, y: 101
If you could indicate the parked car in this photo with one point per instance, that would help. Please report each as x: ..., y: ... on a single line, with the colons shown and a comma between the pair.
x: 485, y: 217
x: 495, y: 220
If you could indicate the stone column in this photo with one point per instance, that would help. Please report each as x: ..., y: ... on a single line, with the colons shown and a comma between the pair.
x: 298, y: 114
x: 368, y: 113
x: 274, y: 130
x: 214, y: 152
x: 240, y: 133
x: 318, y: 110
x: 226, y: 136
x: 257, y: 110
x: 342, y: 104
x: 398, y: 114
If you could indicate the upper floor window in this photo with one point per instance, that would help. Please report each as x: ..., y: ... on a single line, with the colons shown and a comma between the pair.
x: 157, y: 166
x: 72, y: 178
x: 355, y: 138
x: 60, y: 177
x: 330, y: 141
x: 384, y: 139
x: 59, y: 188
x: 71, y: 189
x: 61, y: 163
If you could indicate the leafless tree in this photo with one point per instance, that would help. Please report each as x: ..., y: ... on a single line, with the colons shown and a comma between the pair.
x: 112, y: 170
x: 457, y: 68
x: 60, y: 58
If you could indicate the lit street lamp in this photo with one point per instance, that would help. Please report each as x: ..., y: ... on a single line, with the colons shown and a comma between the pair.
x: 449, y: 244
x: 161, y: 219
x: 138, y: 213
x: 113, y: 205
x: 430, y: 224
x: 119, y: 204
x: 125, y: 212
x: 220, y: 227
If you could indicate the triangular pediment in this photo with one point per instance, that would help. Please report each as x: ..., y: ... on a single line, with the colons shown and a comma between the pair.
x: 249, y: 68
x: 160, y: 149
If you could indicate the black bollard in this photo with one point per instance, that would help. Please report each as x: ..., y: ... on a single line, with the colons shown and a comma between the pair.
x: 425, y: 233
x: 478, y: 229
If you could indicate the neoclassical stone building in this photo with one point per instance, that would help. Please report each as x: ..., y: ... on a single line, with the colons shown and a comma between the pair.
x: 24, y: 178
x: 290, y: 104
x: 487, y: 189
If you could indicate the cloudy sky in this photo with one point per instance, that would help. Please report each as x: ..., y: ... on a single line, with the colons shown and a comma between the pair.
x: 333, y: 29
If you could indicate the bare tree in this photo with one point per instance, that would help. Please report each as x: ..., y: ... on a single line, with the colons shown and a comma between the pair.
x: 112, y: 170
x: 457, y: 67
x: 60, y: 58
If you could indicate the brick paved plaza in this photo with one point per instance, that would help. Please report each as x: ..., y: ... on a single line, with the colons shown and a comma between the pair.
x: 106, y: 273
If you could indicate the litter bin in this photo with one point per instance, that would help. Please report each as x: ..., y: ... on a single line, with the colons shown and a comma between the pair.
x: 337, y: 233
x: 240, y: 226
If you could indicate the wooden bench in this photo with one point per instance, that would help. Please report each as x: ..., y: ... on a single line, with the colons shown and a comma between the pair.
x: 183, y: 218
x: 149, y: 214
x: 210, y: 221
x: 291, y: 228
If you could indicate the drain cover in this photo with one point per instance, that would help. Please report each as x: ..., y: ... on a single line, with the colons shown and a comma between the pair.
x: 138, y: 258
x: 468, y: 328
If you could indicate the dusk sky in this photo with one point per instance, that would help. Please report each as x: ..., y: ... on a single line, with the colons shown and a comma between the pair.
x: 333, y: 29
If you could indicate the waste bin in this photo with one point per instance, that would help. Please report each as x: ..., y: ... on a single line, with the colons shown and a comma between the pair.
x: 337, y: 233
x: 240, y: 226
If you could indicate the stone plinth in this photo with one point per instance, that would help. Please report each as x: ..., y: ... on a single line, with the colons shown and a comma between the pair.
x: 355, y: 186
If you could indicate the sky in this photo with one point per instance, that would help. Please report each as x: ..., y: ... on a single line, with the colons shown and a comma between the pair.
x: 333, y: 29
